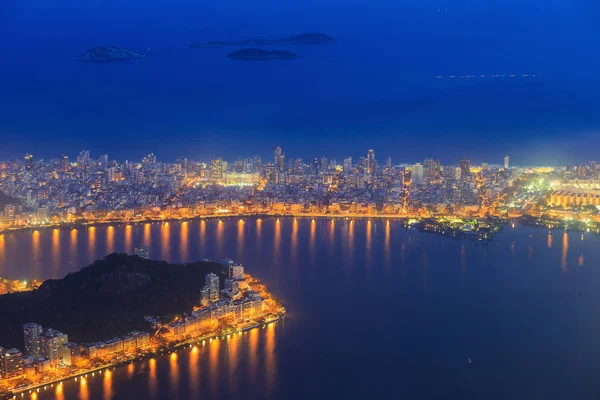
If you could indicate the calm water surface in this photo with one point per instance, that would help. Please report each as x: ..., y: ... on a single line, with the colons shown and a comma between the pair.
x: 375, y: 310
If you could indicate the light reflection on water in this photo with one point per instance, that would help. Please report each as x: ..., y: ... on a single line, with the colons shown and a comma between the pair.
x: 349, y: 285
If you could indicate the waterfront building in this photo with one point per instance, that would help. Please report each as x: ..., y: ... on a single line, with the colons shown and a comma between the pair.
x: 212, y: 281
x: 11, y: 363
x: 236, y: 271
x: 53, y: 348
x: 32, y: 339
x: 205, y: 295
x: 141, y: 251
x: 10, y: 212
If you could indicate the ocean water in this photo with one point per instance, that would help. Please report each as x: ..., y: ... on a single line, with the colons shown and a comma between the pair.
x: 374, y: 310
x: 376, y: 88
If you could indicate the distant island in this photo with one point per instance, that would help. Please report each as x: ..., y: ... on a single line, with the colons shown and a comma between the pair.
x: 261, y: 54
x: 305, y: 39
x: 110, y: 53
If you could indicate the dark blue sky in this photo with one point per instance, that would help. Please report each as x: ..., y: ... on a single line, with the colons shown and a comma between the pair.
x: 376, y: 88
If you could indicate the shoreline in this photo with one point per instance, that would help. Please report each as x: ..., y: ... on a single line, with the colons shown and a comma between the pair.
x: 149, y: 355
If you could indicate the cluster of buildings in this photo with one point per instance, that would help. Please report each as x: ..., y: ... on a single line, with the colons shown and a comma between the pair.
x: 99, y: 189
x: 48, y: 350
x: 235, y: 302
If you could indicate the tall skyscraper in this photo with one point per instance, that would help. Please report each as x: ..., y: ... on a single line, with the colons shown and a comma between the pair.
x: 279, y: 158
x: 388, y: 162
x: 64, y: 164
x: 347, y: 164
x: 371, y: 162
x: 31, y: 338
x: 417, y: 174
x: 28, y: 162
x: 323, y: 163
x: 465, y: 167
x: 212, y: 282
x: 53, y: 347
x: 506, y: 162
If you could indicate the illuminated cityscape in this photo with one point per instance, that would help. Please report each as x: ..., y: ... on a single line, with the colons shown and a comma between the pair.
x: 95, y: 190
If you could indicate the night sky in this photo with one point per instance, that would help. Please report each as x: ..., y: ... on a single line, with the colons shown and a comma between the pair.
x: 376, y: 88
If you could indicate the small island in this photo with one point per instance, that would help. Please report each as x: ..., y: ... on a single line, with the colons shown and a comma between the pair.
x: 261, y: 54
x: 120, y: 309
x: 110, y: 53
x: 304, y: 39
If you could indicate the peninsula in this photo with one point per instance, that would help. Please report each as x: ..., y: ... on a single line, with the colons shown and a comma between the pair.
x: 261, y: 54
x: 123, y: 308
x: 110, y: 53
x: 305, y: 39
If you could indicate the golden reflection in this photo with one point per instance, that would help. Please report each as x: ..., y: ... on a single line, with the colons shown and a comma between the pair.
x: 35, y: 237
x: 277, y: 241
x: 128, y: 238
x: 270, y: 360
x: 240, y: 238
x: 549, y: 240
x: 107, y: 385
x: 174, y: 371
x: 232, y: 358
x: 147, y: 234
x: 183, y: 242
x: 152, y: 379
x: 580, y: 261
x: 369, y: 242
x: 213, y: 360
x: 56, y: 252
x: 252, y: 352
x: 463, y: 259
x: 91, y: 243
x: 313, y: 234
x: 202, y: 236
x: 84, y: 391
x: 194, y: 371
x: 258, y: 229
x: 130, y: 370
x: 386, y: 242
x: 110, y: 239
x: 220, y: 237
x: 565, y: 251
x: 294, y: 238
x: 165, y: 236
x: 59, y: 393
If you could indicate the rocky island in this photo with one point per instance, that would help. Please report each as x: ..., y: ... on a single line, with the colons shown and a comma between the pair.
x: 261, y: 54
x: 110, y: 53
x: 306, y: 39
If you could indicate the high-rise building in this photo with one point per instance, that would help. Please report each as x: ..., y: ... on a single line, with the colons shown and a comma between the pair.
x: 212, y: 281
x: 417, y: 174
x: 236, y: 271
x: 11, y: 363
x: 141, y: 251
x: 323, y: 163
x: 465, y: 167
x: 272, y: 174
x: 347, y: 164
x: 28, y: 162
x: 53, y: 347
x: 32, y: 339
x: 205, y: 295
x: 218, y: 169
x: 64, y: 164
x: 371, y: 162
x: 388, y: 162
x: 506, y: 162
x: 279, y: 159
